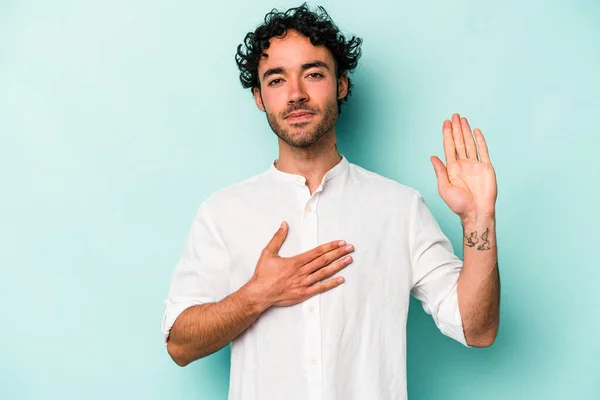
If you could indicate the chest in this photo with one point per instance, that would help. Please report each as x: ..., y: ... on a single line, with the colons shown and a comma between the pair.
x: 381, y: 258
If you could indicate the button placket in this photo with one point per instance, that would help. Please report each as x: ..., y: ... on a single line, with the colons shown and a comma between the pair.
x: 312, y: 317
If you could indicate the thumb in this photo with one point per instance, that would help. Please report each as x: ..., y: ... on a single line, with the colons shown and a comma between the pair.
x: 278, y: 239
x: 440, y: 173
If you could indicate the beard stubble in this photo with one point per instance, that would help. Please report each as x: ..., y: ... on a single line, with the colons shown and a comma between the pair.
x: 302, y: 134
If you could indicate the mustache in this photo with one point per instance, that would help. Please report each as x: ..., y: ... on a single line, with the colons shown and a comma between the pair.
x: 299, y: 107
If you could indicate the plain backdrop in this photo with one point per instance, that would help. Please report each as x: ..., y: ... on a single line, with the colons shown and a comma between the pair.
x: 118, y: 118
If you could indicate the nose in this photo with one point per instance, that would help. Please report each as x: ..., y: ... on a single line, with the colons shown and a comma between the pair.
x: 298, y: 92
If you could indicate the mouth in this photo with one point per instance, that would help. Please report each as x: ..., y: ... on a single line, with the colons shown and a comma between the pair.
x: 299, y: 116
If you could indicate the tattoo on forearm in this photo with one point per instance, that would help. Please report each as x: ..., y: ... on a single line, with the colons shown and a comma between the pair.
x: 472, y: 240
x: 486, y: 243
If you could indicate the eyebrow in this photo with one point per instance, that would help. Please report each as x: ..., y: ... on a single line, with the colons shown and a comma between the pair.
x: 304, y: 67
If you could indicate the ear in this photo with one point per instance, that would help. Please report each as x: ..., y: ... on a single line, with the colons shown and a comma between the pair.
x: 258, y: 99
x: 342, y: 86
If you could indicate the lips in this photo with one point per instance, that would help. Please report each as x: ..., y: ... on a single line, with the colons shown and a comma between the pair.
x: 298, y: 114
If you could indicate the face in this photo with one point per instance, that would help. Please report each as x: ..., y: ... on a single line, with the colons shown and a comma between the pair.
x: 299, y: 89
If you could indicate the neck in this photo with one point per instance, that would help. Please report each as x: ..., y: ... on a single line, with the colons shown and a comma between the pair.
x: 311, y: 162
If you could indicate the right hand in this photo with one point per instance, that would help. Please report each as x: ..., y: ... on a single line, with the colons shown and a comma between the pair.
x: 287, y: 281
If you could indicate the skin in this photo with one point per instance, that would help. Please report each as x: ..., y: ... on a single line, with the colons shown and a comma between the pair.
x: 307, y: 145
x: 297, y: 77
x: 467, y: 183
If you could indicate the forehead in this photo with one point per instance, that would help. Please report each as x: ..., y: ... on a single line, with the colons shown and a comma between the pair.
x: 293, y: 50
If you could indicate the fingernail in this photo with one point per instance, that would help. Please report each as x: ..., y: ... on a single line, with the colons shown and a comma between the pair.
x: 282, y: 224
x: 342, y: 243
x: 349, y: 247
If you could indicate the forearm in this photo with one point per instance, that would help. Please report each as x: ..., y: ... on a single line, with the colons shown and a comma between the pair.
x: 203, y: 329
x: 479, y: 282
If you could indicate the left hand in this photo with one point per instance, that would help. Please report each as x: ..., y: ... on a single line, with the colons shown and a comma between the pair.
x: 468, y: 183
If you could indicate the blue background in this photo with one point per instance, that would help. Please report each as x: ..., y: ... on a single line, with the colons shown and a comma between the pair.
x: 118, y: 118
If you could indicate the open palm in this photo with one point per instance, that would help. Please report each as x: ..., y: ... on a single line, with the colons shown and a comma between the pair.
x: 468, y: 182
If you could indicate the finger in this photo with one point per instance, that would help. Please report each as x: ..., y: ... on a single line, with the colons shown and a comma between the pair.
x: 319, y: 251
x: 449, y: 148
x: 468, y: 138
x: 441, y: 173
x: 459, y: 142
x: 275, y: 243
x: 484, y: 155
x: 326, y: 259
x: 324, y: 286
x: 328, y: 271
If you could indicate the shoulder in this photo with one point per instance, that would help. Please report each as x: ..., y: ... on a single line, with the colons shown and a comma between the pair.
x: 234, y: 194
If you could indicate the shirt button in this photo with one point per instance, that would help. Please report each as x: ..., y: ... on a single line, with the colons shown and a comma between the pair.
x: 308, y: 209
x: 311, y: 308
x: 313, y: 361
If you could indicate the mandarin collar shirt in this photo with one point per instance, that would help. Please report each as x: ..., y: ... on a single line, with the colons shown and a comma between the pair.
x: 348, y: 343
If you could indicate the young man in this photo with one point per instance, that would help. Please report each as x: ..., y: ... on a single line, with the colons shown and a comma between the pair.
x: 318, y: 310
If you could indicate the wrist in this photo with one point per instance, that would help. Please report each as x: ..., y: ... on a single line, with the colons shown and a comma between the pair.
x: 478, y: 218
x: 254, y: 296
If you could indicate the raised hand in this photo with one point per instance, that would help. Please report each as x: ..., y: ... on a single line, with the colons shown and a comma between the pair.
x: 283, y: 281
x: 468, y: 182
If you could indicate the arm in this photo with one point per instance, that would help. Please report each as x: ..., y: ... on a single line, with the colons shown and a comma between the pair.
x: 468, y: 186
x: 479, y: 282
x: 202, y: 329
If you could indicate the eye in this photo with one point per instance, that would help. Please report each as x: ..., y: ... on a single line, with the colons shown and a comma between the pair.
x: 275, y: 82
x: 316, y: 75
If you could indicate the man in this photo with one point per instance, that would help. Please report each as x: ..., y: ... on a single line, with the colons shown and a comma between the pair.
x: 318, y: 310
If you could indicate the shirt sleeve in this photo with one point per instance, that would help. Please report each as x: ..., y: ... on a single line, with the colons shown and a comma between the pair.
x: 435, y: 271
x: 202, y: 273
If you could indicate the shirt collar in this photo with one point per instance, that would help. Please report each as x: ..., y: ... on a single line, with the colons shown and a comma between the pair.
x: 332, y: 173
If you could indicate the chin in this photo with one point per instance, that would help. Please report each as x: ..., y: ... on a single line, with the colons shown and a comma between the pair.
x: 303, y: 140
x: 299, y: 134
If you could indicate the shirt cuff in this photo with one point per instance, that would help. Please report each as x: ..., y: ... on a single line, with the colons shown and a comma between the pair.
x: 450, y: 320
x: 172, y: 311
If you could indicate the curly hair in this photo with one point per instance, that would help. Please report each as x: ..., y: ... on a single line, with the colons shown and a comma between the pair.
x: 315, y: 25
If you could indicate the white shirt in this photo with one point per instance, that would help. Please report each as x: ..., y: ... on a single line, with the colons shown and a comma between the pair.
x: 347, y: 343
